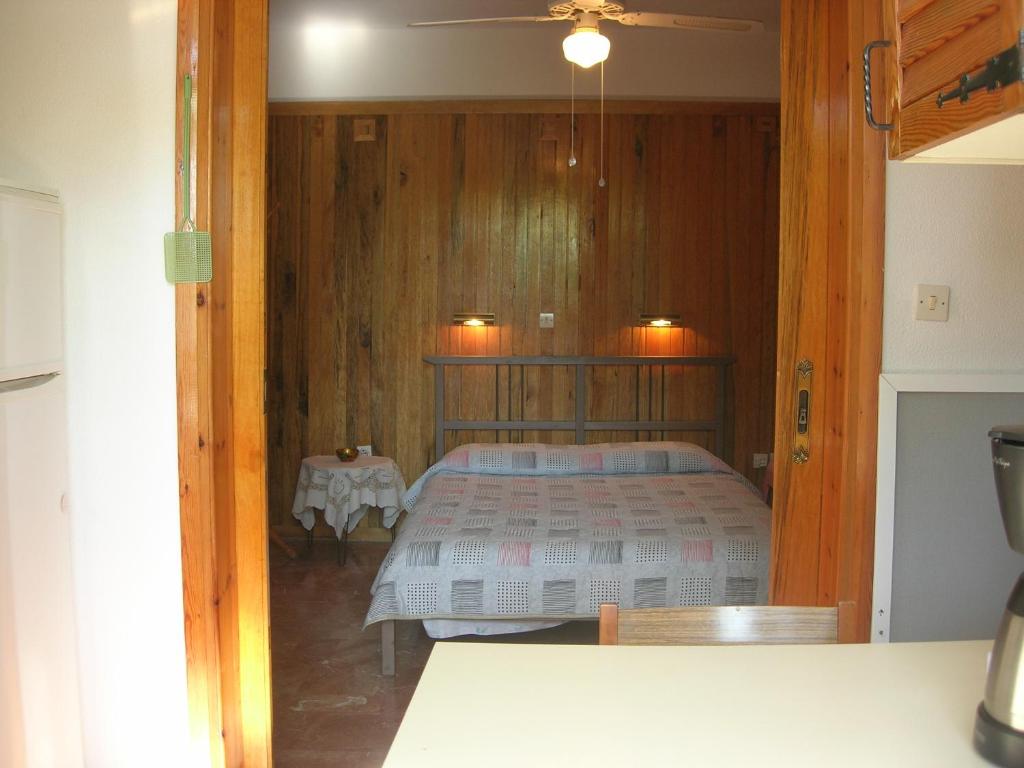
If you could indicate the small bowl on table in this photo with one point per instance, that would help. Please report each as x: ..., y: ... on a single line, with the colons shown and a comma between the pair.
x: 347, y: 454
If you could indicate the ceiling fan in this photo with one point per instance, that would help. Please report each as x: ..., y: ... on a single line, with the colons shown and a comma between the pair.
x: 586, y: 46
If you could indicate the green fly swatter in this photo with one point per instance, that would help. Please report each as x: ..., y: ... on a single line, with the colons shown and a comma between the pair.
x: 187, y: 253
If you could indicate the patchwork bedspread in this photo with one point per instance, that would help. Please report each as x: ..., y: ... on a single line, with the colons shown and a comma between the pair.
x: 550, y: 532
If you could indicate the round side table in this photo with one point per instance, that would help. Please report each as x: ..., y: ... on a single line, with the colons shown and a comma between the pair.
x: 344, y: 491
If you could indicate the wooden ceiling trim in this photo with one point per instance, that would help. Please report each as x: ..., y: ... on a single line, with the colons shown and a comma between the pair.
x: 524, y: 106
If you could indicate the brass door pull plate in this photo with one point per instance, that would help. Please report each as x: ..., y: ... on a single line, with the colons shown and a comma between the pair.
x: 802, y: 441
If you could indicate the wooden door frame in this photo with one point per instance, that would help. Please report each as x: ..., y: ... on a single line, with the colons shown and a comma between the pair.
x: 221, y: 353
x: 220, y: 362
x: 832, y: 235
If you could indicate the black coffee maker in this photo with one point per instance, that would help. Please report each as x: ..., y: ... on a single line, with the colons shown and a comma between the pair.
x: 999, y: 725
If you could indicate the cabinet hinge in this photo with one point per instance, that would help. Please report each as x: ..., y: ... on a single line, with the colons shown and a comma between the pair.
x: 999, y: 72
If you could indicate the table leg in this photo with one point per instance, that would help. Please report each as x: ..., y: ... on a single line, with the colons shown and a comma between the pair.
x: 309, y: 541
x: 343, y: 545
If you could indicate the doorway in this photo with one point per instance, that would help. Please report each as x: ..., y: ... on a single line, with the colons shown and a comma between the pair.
x: 831, y: 239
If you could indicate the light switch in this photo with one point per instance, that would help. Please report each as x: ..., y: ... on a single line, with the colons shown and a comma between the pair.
x: 760, y: 460
x: 931, y: 302
x: 547, y: 319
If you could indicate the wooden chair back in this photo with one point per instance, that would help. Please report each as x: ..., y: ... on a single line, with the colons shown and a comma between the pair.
x: 727, y: 625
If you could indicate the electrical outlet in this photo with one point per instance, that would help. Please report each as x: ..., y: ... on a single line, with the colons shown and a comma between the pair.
x: 364, y: 450
x: 547, y: 319
x: 931, y: 302
x: 760, y: 460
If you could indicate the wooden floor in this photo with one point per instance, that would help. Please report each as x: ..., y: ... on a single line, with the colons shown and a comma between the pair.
x: 332, y: 707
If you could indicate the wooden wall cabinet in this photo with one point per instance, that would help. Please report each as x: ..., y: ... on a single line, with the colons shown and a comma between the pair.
x: 935, y: 43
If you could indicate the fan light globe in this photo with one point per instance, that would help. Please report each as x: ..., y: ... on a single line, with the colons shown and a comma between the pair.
x: 586, y: 47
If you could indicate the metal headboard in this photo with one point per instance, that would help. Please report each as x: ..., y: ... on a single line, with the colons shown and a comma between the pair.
x: 579, y: 424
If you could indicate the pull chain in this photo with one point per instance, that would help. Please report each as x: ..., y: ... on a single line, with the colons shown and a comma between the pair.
x: 601, y: 182
x: 572, y: 115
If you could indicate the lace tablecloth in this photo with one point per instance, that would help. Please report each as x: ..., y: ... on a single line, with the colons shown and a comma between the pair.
x: 345, y: 491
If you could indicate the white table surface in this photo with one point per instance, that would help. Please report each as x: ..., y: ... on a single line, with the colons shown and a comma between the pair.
x: 827, y: 706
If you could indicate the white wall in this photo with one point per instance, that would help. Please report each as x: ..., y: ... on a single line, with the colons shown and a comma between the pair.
x: 358, y: 49
x: 961, y: 226
x: 87, y: 107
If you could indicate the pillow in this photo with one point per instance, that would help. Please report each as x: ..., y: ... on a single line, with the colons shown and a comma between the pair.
x: 664, y: 457
x: 597, y: 459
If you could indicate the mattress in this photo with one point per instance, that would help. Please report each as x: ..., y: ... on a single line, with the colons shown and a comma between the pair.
x: 543, y: 533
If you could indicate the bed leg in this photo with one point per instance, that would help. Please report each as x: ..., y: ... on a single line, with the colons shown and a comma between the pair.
x: 387, y: 648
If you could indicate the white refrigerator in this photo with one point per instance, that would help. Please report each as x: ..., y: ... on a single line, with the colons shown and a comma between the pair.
x: 40, y: 722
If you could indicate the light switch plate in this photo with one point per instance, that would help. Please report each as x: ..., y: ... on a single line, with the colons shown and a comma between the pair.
x: 547, y: 319
x: 364, y: 450
x: 760, y: 460
x: 931, y: 302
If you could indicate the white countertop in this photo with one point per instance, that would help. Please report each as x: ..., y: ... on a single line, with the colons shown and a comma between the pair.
x: 898, y: 704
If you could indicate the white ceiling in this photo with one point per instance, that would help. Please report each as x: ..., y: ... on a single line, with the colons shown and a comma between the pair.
x: 362, y: 49
x: 397, y: 13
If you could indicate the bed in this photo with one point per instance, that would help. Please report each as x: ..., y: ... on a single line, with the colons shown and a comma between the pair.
x: 514, y: 537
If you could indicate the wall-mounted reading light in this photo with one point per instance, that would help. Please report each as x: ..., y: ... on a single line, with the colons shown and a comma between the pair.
x: 661, y: 320
x: 473, y: 319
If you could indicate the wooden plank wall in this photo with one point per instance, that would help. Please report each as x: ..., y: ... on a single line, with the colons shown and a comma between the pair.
x: 373, y: 245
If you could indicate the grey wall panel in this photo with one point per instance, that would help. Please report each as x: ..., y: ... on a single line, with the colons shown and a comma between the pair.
x: 952, y: 568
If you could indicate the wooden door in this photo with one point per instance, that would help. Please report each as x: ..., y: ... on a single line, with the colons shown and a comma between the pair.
x: 830, y: 294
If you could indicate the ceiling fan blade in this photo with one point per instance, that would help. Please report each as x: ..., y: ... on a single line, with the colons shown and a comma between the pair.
x: 682, y: 21
x: 510, y: 19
